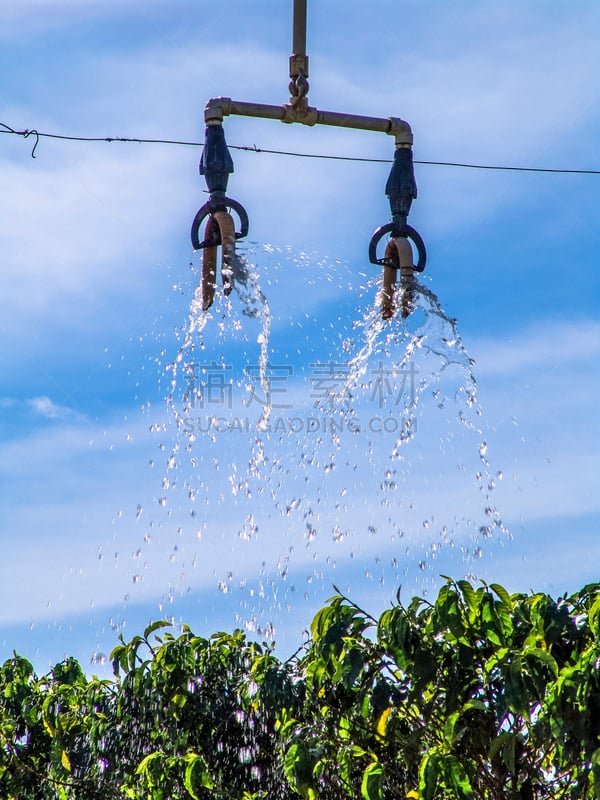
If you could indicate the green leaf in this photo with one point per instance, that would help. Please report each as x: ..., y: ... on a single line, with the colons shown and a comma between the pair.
x: 429, y: 775
x: 543, y: 656
x: 494, y: 661
x: 502, y: 594
x: 456, y: 775
x: 179, y: 700
x: 344, y: 728
x: 321, y: 622
x: 476, y: 705
x: 470, y: 597
x: 596, y: 772
x: 449, y: 728
x: 505, y: 746
x: 161, y: 623
x: 143, y: 765
x: 517, y: 696
x: 196, y: 775
x: 493, y: 627
x: 297, y: 766
x: 344, y: 770
x: 594, y: 616
x: 372, y: 782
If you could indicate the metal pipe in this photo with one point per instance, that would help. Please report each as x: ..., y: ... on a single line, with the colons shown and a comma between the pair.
x: 299, y: 60
x: 357, y: 121
x: 219, y: 107
x: 299, y: 30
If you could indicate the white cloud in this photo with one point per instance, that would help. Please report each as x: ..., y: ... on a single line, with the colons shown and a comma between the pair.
x: 542, y: 346
x: 45, y: 407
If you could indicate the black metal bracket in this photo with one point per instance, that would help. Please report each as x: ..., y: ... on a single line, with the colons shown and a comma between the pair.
x: 224, y: 204
x: 408, y: 233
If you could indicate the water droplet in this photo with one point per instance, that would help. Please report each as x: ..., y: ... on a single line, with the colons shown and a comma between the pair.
x: 338, y: 534
x: 483, y: 451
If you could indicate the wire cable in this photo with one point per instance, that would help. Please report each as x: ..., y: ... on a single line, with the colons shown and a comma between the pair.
x: 254, y: 149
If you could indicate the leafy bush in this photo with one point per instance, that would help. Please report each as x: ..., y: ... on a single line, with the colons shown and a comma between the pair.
x: 481, y: 694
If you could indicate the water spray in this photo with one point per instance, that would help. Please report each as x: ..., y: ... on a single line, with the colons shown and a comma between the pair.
x: 216, y: 165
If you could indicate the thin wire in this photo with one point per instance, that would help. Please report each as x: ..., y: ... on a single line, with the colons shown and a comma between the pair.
x: 254, y: 149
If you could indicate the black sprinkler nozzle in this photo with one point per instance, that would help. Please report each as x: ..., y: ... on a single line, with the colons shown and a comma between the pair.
x: 401, y: 188
x: 216, y: 163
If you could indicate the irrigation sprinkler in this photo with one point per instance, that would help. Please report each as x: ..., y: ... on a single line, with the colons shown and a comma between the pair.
x: 216, y: 164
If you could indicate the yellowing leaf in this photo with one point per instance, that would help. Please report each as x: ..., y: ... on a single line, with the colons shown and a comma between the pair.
x: 413, y: 794
x: 64, y: 760
x: 383, y: 723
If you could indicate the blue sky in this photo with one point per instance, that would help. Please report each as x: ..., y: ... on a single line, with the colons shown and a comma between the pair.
x: 98, y: 285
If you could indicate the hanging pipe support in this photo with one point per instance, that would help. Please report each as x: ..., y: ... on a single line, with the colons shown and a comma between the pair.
x: 216, y: 165
x: 299, y: 60
x: 218, y: 108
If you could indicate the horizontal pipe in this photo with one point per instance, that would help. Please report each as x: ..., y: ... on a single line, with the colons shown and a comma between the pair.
x: 219, y: 107
x: 357, y: 121
x: 262, y: 110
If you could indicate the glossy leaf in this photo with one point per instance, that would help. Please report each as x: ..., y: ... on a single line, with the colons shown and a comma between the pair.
x: 371, y: 787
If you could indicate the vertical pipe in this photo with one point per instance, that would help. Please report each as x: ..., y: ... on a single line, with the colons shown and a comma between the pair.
x: 299, y: 34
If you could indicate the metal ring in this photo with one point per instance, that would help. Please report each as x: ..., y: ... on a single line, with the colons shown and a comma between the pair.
x: 409, y: 233
x: 208, y: 209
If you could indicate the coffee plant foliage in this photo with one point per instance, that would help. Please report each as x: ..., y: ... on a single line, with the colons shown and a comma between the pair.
x: 480, y: 694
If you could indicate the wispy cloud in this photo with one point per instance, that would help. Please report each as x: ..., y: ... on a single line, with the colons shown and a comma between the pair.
x: 543, y: 346
x: 45, y: 407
